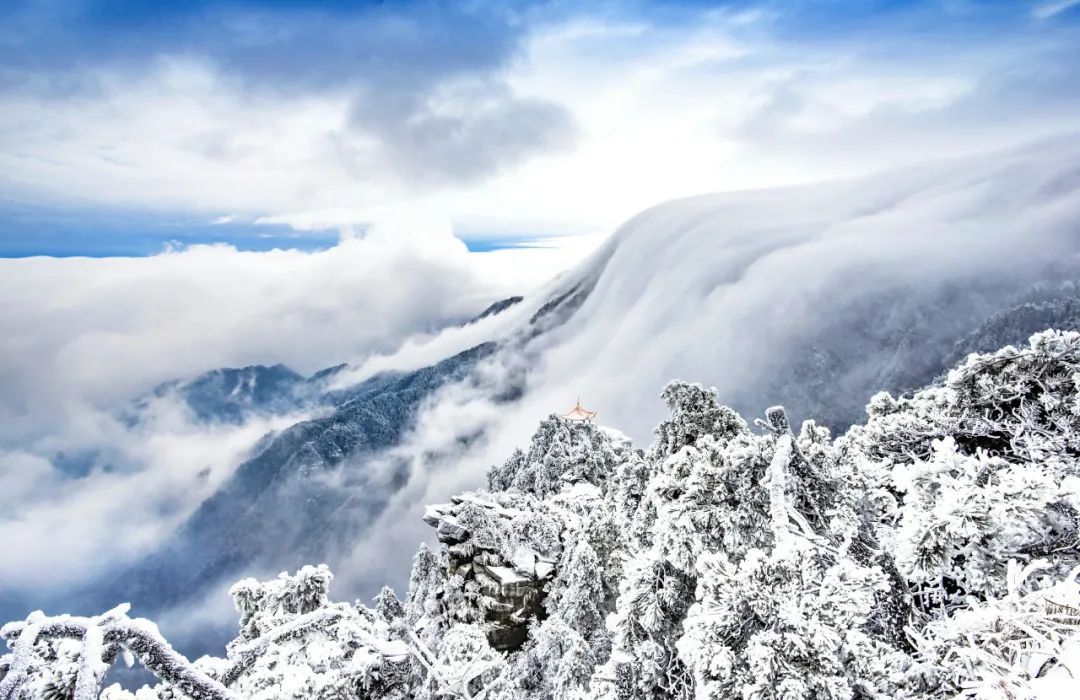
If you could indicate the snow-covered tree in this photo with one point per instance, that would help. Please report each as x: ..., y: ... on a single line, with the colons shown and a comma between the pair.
x: 788, y: 623
x: 68, y: 657
x: 560, y: 452
x: 388, y: 606
x: 701, y: 465
x: 980, y: 470
x: 1006, y: 648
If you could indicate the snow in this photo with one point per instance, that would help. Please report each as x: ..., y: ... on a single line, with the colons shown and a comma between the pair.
x: 506, y: 576
x: 91, y: 668
x: 432, y: 514
x: 777, y: 486
x: 544, y: 569
x: 524, y: 560
x: 1063, y: 680
x: 394, y: 650
x: 583, y: 490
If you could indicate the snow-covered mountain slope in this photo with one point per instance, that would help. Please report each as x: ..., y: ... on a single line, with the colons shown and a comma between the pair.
x: 233, y: 394
x: 304, y: 491
x: 1045, y: 306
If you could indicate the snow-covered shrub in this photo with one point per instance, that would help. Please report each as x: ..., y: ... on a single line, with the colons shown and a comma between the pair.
x: 560, y: 451
x: 965, y: 516
x: 295, y: 643
x: 465, y: 667
x: 263, y: 606
x: 789, y: 623
x: 45, y: 657
x: 980, y: 470
x: 1001, y: 648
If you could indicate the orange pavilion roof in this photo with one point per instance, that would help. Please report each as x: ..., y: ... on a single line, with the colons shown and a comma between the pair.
x: 578, y: 413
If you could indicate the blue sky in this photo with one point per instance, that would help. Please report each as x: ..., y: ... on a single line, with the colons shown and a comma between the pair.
x: 128, y: 127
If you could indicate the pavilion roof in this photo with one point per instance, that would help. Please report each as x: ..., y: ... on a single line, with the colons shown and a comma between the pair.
x: 579, y: 414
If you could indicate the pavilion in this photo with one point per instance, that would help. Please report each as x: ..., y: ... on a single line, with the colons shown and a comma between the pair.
x: 578, y: 414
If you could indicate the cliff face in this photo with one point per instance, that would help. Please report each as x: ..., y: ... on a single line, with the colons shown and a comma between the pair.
x: 504, y: 550
x: 511, y: 588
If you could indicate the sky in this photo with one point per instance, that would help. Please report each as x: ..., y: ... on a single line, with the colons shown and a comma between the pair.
x: 128, y: 128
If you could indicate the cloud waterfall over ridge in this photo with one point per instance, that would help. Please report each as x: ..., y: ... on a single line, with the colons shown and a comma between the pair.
x: 739, y: 286
x: 815, y: 297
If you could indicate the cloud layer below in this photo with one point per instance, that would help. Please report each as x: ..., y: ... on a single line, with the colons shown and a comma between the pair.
x: 80, y: 338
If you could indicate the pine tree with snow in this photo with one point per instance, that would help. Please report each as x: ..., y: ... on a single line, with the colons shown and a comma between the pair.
x: 980, y: 470
x: 790, y: 619
x: 704, y: 457
x: 388, y: 606
x: 560, y: 452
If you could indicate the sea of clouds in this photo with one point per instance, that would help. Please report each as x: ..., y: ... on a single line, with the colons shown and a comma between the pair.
x: 81, y: 488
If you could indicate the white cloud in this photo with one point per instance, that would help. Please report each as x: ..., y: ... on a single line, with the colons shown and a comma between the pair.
x: 733, y: 284
x: 658, y: 111
x: 59, y: 532
x: 81, y: 337
x: 100, y: 329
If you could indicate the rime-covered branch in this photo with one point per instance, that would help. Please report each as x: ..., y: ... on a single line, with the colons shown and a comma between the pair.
x: 778, y: 508
x: 99, y: 637
x: 1068, y: 538
x: 157, y: 655
x: 776, y: 419
x: 21, y: 660
x: 786, y: 456
x: 456, y: 681
x: 91, y: 666
x: 247, y: 655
